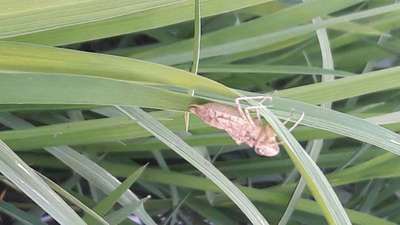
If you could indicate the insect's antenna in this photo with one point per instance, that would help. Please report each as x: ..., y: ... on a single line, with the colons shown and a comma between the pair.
x: 246, y: 114
x: 297, y: 122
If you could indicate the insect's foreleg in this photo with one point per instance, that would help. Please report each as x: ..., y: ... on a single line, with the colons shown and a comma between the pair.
x: 248, y: 116
x: 237, y: 101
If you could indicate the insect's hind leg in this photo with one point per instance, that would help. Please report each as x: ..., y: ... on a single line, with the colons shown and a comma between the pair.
x: 297, y: 122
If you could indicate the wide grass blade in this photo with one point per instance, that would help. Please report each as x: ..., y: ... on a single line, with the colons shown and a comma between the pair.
x: 25, y: 57
x: 89, y: 20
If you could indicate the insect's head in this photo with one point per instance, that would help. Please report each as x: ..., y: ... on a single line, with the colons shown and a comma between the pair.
x: 196, y: 109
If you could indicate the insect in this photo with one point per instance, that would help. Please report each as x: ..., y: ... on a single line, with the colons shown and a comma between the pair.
x: 240, y: 125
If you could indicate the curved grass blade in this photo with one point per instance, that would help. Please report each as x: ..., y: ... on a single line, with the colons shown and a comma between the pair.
x: 18, y: 172
x: 317, y: 182
x: 192, y: 156
x: 327, y: 63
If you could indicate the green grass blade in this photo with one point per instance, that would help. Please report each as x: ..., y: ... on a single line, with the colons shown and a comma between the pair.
x: 184, y: 150
x: 327, y: 63
x: 18, y: 172
x: 98, y: 176
x: 197, y: 38
x: 37, y: 17
x: 274, y: 69
x: 344, y: 88
x: 118, y: 216
x: 108, y: 202
x: 72, y: 199
x: 89, y: 20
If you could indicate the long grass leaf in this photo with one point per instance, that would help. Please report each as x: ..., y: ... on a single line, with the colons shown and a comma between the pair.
x: 189, y: 154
